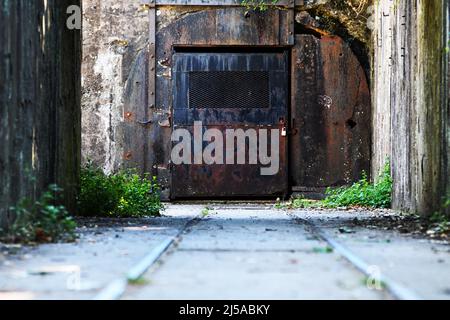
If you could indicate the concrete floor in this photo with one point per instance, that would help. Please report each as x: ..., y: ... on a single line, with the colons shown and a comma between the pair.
x: 238, y: 251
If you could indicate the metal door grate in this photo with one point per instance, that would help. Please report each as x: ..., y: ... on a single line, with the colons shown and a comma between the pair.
x: 229, y: 89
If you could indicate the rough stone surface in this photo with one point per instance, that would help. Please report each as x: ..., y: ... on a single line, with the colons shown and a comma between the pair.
x: 113, y: 34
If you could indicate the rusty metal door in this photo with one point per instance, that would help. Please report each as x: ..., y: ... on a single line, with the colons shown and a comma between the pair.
x: 244, y: 92
x: 330, y: 115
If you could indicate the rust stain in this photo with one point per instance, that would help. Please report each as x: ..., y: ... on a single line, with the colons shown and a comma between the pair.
x: 128, y: 156
x: 128, y: 116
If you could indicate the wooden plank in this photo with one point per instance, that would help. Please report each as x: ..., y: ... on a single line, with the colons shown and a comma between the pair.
x: 151, y: 85
x: 401, y: 68
x: 411, y: 104
x: 381, y: 88
x: 446, y: 111
x: 40, y: 102
x: 131, y: 133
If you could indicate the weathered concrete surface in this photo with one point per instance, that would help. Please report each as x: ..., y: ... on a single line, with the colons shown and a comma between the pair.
x: 417, y: 264
x: 238, y: 251
x: 104, y: 252
x: 249, y: 253
x: 113, y: 34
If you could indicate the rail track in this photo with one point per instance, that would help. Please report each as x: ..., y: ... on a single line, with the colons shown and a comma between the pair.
x: 116, y: 289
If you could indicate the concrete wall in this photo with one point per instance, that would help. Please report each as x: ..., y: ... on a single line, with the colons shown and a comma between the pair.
x: 115, y: 37
x: 113, y: 34
x: 410, y: 120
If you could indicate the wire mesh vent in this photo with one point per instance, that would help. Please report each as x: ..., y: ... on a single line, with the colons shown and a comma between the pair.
x: 229, y: 89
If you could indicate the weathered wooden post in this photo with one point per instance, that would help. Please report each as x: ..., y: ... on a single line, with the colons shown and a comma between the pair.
x: 39, y: 100
x: 411, y: 123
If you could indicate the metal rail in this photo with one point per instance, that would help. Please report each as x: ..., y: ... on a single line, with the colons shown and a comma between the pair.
x: 117, y: 288
x: 396, y: 290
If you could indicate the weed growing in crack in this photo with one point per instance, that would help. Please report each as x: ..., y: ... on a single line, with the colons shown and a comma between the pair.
x: 205, y: 212
x: 138, y: 282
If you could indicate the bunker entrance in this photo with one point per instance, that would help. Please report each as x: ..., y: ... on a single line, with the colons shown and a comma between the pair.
x: 230, y: 118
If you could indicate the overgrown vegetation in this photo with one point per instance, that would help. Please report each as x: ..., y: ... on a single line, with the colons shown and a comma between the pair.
x: 439, y: 222
x: 124, y: 194
x: 258, y: 5
x: 354, y: 15
x: 361, y: 194
x: 41, y: 221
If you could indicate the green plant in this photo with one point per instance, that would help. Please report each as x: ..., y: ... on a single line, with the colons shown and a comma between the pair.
x: 363, y: 193
x: 258, y: 5
x: 205, y: 212
x: 138, y: 282
x: 124, y: 194
x: 301, y: 202
x: 325, y: 249
x: 439, y: 223
x: 99, y: 194
x: 42, y: 220
x: 279, y: 204
x: 447, y: 203
x: 138, y: 196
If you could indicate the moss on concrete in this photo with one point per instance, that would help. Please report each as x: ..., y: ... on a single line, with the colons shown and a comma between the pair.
x: 353, y: 15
